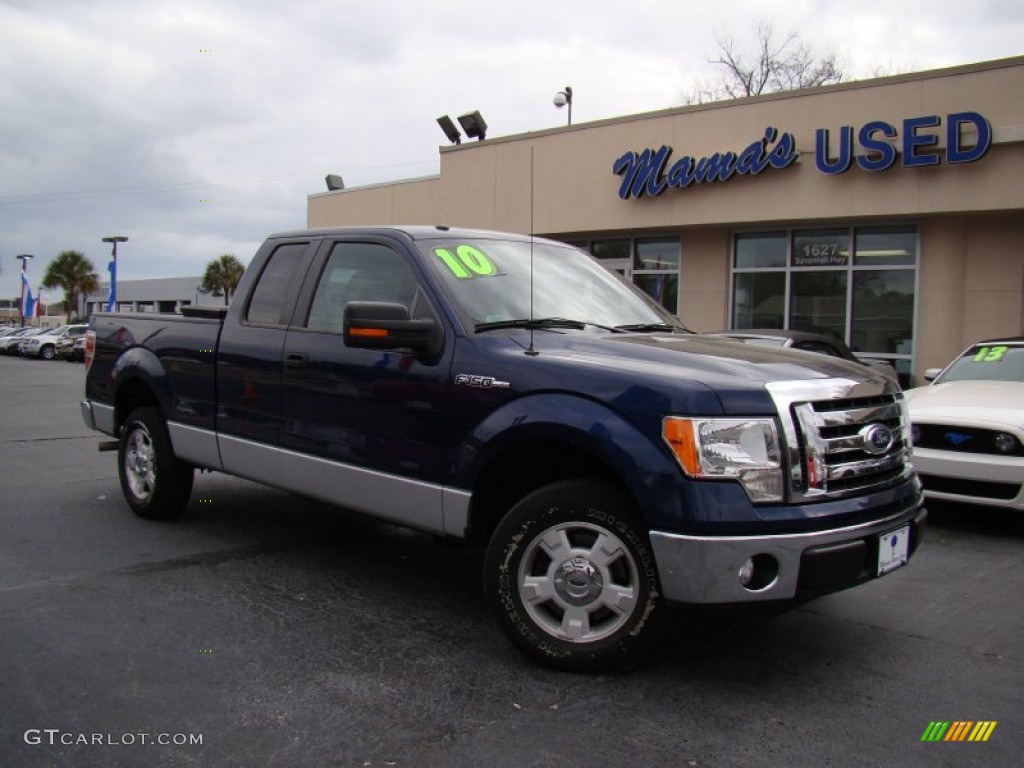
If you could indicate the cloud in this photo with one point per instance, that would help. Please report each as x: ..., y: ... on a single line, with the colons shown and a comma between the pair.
x: 198, y: 127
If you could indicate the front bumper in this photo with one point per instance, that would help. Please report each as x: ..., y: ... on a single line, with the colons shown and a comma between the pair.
x: 705, y: 569
x: 971, y: 478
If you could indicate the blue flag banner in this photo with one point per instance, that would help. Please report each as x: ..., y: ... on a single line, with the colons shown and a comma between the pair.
x: 112, y: 294
x: 29, y: 304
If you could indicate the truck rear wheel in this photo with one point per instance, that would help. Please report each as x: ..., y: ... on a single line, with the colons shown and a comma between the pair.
x: 155, y: 483
x: 573, y: 580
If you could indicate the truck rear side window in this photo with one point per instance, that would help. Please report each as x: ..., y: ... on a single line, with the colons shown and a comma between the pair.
x: 268, y: 297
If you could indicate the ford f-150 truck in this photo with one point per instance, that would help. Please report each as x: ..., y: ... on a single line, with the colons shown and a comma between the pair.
x: 512, y: 393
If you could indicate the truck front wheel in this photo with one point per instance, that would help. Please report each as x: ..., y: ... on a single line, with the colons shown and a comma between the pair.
x: 572, y: 578
x: 155, y: 483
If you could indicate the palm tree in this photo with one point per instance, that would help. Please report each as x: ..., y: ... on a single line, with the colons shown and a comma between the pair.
x: 222, y: 274
x: 73, y: 272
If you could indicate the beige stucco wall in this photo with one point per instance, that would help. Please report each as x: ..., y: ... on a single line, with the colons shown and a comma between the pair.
x: 408, y: 202
x: 560, y: 182
x: 994, y: 278
x: 970, y: 284
x: 704, y: 279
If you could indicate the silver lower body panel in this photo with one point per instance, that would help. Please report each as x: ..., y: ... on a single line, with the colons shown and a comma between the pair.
x: 705, y: 569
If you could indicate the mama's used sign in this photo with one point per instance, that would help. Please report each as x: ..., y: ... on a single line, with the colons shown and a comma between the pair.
x: 652, y: 171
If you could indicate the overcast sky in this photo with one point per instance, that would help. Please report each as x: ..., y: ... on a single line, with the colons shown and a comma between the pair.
x: 197, y: 128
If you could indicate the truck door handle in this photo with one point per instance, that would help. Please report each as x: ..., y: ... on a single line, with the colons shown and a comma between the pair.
x: 295, y: 365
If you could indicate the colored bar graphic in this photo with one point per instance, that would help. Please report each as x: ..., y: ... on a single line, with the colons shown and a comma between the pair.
x: 982, y: 730
x: 958, y: 730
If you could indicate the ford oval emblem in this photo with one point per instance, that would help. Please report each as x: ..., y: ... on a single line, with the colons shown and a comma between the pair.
x: 876, y: 439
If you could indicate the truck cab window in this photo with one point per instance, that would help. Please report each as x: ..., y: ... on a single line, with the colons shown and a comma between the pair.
x: 268, y: 297
x: 359, y: 272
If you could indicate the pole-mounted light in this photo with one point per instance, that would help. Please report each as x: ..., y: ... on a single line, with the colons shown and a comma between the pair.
x: 474, y: 125
x: 449, y: 129
x: 564, y: 99
x: 112, y: 268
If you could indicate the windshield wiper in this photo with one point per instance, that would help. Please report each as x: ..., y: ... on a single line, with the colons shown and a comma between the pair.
x: 649, y: 327
x: 541, y: 323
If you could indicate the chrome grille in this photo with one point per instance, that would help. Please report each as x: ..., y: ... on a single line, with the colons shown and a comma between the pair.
x: 843, y: 437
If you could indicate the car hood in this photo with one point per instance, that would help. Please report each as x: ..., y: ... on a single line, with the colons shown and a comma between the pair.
x: 736, y: 373
x: 1000, y: 403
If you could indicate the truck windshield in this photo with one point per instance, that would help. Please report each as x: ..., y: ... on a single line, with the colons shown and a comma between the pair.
x: 490, y: 282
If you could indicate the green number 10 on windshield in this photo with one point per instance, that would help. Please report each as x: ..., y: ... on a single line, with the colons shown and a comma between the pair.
x: 466, y: 262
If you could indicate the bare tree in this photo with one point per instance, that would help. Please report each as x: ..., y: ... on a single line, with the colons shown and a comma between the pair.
x: 778, y: 65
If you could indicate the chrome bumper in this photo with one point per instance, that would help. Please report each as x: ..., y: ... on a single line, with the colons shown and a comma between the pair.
x: 705, y: 569
x: 98, y: 417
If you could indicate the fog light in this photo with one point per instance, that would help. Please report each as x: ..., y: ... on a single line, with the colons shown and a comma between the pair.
x: 746, y: 573
x: 758, y: 572
x: 1006, y: 442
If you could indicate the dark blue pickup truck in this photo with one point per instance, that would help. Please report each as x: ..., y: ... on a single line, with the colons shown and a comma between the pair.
x: 511, y: 393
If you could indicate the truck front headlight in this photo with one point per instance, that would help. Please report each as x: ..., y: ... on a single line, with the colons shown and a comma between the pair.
x: 745, y: 450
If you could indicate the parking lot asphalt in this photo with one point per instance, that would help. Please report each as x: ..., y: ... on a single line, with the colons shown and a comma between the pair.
x: 281, y: 632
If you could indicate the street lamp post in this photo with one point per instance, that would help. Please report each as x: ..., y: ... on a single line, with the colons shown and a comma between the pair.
x: 24, y: 283
x: 564, y: 99
x: 112, y: 268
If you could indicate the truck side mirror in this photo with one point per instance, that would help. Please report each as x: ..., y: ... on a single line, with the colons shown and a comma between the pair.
x: 384, y: 325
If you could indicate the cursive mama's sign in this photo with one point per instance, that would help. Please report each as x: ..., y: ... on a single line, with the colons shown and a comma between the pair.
x: 649, y: 172
x: 875, y: 147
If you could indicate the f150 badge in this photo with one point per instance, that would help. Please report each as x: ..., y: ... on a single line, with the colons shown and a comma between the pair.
x: 483, y: 382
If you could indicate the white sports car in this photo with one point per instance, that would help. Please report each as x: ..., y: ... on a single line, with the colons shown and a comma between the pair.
x: 967, y: 427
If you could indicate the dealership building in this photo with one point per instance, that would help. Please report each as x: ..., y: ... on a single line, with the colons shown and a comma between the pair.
x: 889, y: 212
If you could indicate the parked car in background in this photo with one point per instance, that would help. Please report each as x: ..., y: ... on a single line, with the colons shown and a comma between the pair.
x: 967, y: 426
x: 9, y: 344
x: 44, y: 344
x: 821, y: 343
x: 72, y: 349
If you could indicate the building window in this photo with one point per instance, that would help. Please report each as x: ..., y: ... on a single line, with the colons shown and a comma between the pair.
x: 857, y: 284
x: 651, y: 263
x: 614, y: 254
x: 761, y: 249
x: 759, y: 300
x: 817, y: 302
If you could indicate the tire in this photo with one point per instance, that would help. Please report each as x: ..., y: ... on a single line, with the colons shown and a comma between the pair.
x: 572, y: 579
x: 48, y: 352
x: 155, y: 483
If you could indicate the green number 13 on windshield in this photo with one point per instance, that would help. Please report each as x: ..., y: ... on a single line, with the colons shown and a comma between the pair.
x: 990, y: 354
x: 466, y: 262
